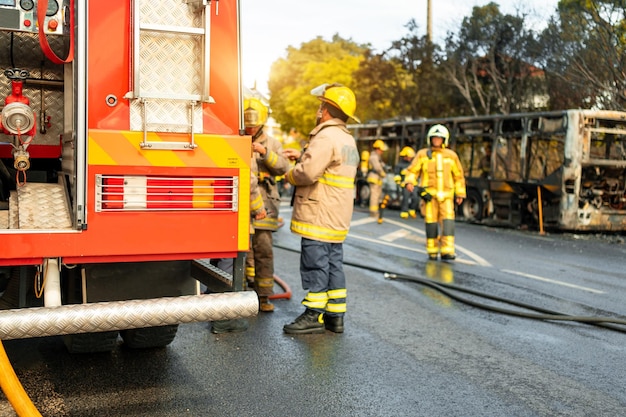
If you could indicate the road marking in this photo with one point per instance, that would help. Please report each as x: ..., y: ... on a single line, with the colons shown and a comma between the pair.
x: 398, y: 234
x: 477, y: 258
x: 409, y: 248
x: 393, y: 245
x: 365, y: 220
x: 388, y: 239
x: 552, y: 281
x: 404, y: 226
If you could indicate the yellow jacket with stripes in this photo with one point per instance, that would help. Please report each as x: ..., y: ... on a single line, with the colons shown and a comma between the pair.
x: 324, y: 180
x: 439, y: 171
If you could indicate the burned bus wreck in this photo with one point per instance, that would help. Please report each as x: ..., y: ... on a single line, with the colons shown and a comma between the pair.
x: 562, y: 170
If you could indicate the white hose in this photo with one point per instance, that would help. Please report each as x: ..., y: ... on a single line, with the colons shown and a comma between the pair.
x: 52, y: 283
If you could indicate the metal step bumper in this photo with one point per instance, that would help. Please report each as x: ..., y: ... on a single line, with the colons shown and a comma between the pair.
x: 121, y: 315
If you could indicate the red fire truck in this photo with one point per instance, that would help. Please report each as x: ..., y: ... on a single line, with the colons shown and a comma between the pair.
x: 123, y: 169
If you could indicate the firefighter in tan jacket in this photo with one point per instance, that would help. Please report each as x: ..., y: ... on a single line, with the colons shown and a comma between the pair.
x: 267, y: 162
x: 324, y: 190
x: 442, y: 183
x: 375, y: 176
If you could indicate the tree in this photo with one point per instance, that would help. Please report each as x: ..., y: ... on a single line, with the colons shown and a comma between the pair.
x: 585, y: 54
x: 491, y: 62
x: 428, y: 93
x: 314, y: 63
x: 379, y: 82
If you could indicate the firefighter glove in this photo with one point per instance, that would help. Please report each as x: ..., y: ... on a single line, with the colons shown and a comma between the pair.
x: 425, y: 195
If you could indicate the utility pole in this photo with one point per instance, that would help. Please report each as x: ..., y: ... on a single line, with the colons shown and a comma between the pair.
x: 429, y: 21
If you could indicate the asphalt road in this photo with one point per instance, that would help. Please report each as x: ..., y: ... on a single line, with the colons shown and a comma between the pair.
x: 408, y: 349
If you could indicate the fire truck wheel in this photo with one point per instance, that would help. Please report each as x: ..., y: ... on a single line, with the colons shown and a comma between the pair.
x: 149, y: 337
x: 91, y: 342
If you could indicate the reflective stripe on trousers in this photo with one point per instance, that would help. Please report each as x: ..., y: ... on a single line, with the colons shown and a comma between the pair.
x: 260, y: 262
x: 321, y: 271
x: 439, y: 213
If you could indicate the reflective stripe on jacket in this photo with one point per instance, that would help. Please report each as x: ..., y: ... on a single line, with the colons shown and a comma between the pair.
x: 324, y: 180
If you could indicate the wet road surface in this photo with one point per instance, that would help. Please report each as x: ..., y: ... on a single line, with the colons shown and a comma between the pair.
x: 408, y: 350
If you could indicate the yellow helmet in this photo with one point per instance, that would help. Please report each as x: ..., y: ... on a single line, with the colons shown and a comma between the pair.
x: 439, y: 131
x: 338, y: 96
x: 254, y: 112
x: 379, y: 144
x: 407, y: 151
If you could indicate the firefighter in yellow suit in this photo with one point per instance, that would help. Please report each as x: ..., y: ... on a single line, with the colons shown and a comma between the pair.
x: 440, y: 174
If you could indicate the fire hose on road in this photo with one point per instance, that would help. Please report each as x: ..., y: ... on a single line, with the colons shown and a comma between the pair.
x: 449, y: 290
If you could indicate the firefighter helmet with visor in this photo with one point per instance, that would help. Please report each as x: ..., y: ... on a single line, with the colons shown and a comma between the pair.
x: 254, y: 112
x: 439, y: 131
x: 338, y: 96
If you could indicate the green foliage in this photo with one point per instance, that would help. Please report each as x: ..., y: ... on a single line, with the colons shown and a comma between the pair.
x: 491, y: 60
x: 585, y: 54
x: 427, y: 92
x: 316, y: 62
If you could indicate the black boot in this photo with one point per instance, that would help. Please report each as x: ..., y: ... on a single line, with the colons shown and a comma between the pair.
x: 333, y: 323
x: 308, y: 322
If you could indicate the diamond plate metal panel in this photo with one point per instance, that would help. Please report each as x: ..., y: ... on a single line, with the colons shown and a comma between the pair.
x: 4, y: 219
x: 170, y: 66
x: 42, y: 206
x: 120, y: 315
x: 13, y: 213
x: 165, y: 116
x: 169, y: 13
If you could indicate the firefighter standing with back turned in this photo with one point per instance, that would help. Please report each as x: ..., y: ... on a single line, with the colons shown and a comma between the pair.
x: 443, y: 183
x: 375, y: 176
x: 267, y: 162
x: 410, y: 199
x: 322, y: 210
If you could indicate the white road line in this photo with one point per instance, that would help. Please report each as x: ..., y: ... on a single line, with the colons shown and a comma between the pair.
x: 404, y: 226
x: 477, y: 258
x: 409, y: 248
x: 393, y: 245
x: 388, y: 239
x: 398, y: 234
x: 365, y: 220
x: 552, y: 281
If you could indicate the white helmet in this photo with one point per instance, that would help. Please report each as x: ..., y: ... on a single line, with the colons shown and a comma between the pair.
x: 439, y: 131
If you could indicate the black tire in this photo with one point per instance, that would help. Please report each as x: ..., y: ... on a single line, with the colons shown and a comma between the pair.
x: 149, y: 337
x: 472, y: 207
x: 91, y: 342
x: 83, y: 342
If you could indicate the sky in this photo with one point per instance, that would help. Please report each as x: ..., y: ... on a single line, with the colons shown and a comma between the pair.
x: 268, y: 27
